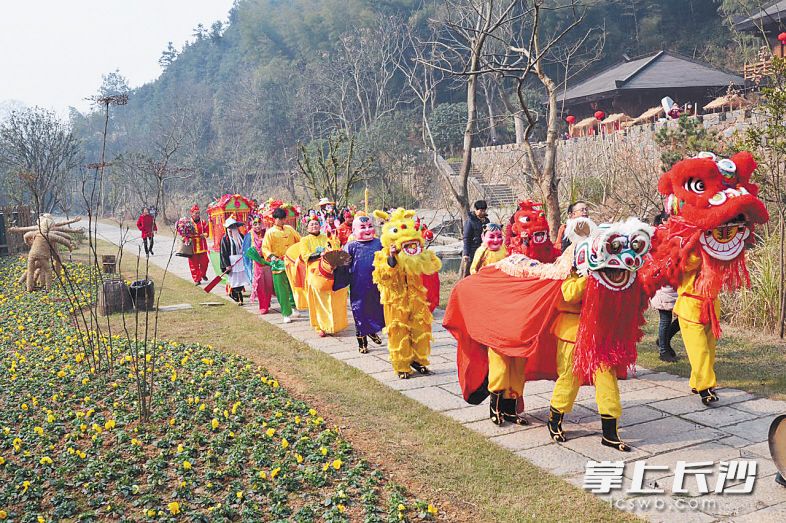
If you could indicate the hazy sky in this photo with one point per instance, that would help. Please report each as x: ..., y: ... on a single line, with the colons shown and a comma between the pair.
x: 53, y: 52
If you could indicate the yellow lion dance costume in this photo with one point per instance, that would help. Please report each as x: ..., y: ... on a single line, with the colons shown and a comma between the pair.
x: 398, y: 273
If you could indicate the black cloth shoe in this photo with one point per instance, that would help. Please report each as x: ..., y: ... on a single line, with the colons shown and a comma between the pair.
x: 610, y: 437
x: 555, y: 425
x: 375, y: 338
x: 362, y: 344
x: 708, y: 396
x: 509, y: 412
x: 495, y: 408
x: 422, y: 369
x: 669, y: 356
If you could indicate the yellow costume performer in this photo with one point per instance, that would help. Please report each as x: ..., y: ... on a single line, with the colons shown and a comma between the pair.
x: 700, y: 249
x: 398, y: 272
x: 283, y: 243
x: 327, y: 309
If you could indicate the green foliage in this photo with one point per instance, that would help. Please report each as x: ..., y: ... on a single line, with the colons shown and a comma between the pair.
x: 687, y: 139
x: 447, y: 123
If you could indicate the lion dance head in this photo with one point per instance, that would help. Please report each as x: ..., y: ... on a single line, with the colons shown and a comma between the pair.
x: 401, y: 231
x: 714, y: 209
x: 612, y: 311
x: 528, y: 233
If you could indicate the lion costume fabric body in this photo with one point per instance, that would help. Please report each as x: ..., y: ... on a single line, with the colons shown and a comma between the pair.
x: 564, y: 324
x: 404, y: 297
x: 43, y: 239
x: 700, y: 250
x: 528, y: 233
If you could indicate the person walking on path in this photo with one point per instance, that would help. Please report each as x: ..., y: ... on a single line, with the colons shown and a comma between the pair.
x: 277, y: 240
x: 146, y: 223
x: 473, y: 234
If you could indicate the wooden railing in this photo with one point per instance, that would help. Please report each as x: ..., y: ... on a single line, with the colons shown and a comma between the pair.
x: 754, y: 72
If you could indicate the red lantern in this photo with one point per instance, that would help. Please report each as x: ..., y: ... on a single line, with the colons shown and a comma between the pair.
x: 782, y: 38
x: 570, y: 119
x: 600, y: 115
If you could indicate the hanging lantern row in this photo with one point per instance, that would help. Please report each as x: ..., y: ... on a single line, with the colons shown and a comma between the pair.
x: 600, y: 115
x: 570, y: 119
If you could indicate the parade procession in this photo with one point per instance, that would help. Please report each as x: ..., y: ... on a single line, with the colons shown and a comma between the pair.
x: 393, y: 261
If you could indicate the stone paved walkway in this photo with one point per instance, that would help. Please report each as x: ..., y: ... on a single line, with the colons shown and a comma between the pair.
x: 661, y: 419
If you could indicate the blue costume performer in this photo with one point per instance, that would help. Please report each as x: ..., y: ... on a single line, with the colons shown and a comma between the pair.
x: 363, y: 293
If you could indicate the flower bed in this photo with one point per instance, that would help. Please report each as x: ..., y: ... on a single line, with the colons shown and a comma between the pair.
x: 226, y: 442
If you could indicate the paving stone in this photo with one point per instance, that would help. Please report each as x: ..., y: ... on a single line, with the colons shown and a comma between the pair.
x: 679, y: 405
x: 435, y: 398
x: 762, y: 407
x: 731, y: 396
x: 489, y: 429
x: 708, y: 451
x: 735, y: 441
x: 773, y: 514
x: 453, y: 387
x: 539, y: 387
x: 671, y: 381
x: 632, y: 416
x: 469, y: 413
x: 368, y: 365
x: 755, y: 431
x: 765, y: 494
x: 631, y: 384
x: 718, y: 416
x: 650, y: 395
x: 587, y: 443
x: 556, y: 459
x: 175, y: 307
x: 758, y: 449
x: 531, y: 436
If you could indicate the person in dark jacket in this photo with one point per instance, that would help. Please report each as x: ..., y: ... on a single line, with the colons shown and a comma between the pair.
x: 473, y: 232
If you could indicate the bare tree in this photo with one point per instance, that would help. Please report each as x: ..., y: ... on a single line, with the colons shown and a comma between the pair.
x: 39, y: 148
x: 467, y: 27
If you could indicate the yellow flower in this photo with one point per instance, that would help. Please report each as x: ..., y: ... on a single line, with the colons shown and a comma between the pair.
x: 81, y: 454
x: 109, y: 425
x: 431, y: 509
x: 323, y: 450
x: 325, y: 467
x: 239, y: 494
x: 174, y: 508
x: 3, y: 514
x: 299, y: 458
x: 136, y: 442
x: 180, y: 448
x: 186, y: 465
x: 202, y: 407
x: 262, y: 474
x: 337, y: 464
x: 85, y: 381
x: 401, y: 507
x: 341, y: 508
x: 150, y: 513
x: 46, y: 460
x: 312, y: 412
x: 214, y: 423
x: 297, y: 419
x: 24, y: 406
x: 172, y: 422
x: 50, y: 418
x: 25, y: 486
x: 2, y: 460
x: 274, y: 472
x: 38, y: 430
x: 40, y: 519
x: 270, y: 432
x: 284, y: 443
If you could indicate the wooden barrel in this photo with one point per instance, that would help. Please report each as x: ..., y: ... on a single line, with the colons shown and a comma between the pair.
x: 113, y: 297
x: 109, y: 263
x: 143, y: 295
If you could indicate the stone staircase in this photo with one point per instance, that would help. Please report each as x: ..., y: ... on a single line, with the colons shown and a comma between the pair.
x: 495, y: 194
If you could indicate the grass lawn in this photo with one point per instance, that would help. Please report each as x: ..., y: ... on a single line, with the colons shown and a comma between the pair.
x: 744, y: 360
x: 467, y: 477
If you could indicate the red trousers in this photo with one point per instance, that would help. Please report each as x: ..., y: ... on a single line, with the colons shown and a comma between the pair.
x: 198, y: 265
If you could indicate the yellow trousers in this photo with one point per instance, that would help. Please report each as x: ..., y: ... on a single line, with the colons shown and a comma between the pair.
x: 506, y: 374
x: 408, y: 341
x: 700, y: 346
x: 327, y: 309
x: 607, y: 393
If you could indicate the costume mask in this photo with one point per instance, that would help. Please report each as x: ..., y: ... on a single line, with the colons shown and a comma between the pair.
x: 363, y: 229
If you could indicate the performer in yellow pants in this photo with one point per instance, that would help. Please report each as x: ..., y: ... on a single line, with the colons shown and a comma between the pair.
x: 566, y: 388
x: 506, y: 387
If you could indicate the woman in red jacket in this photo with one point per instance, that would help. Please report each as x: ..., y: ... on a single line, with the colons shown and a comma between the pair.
x: 146, y: 223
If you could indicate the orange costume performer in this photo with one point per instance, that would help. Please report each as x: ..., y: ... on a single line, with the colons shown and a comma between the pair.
x: 700, y: 250
x: 198, y: 262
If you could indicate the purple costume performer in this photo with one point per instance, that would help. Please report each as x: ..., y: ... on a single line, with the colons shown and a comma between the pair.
x: 363, y: 293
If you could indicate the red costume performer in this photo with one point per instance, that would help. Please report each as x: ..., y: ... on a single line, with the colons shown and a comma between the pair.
x: 198, y: 262
x: 700, y: 250
x: 528, y: 233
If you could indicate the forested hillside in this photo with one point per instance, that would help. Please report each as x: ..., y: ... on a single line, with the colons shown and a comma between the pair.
x: 231, y: 107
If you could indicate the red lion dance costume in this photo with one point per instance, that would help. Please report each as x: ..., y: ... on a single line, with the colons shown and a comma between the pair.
x: 700, y: 250
x: 574, y: 325
x: 528, y: 233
